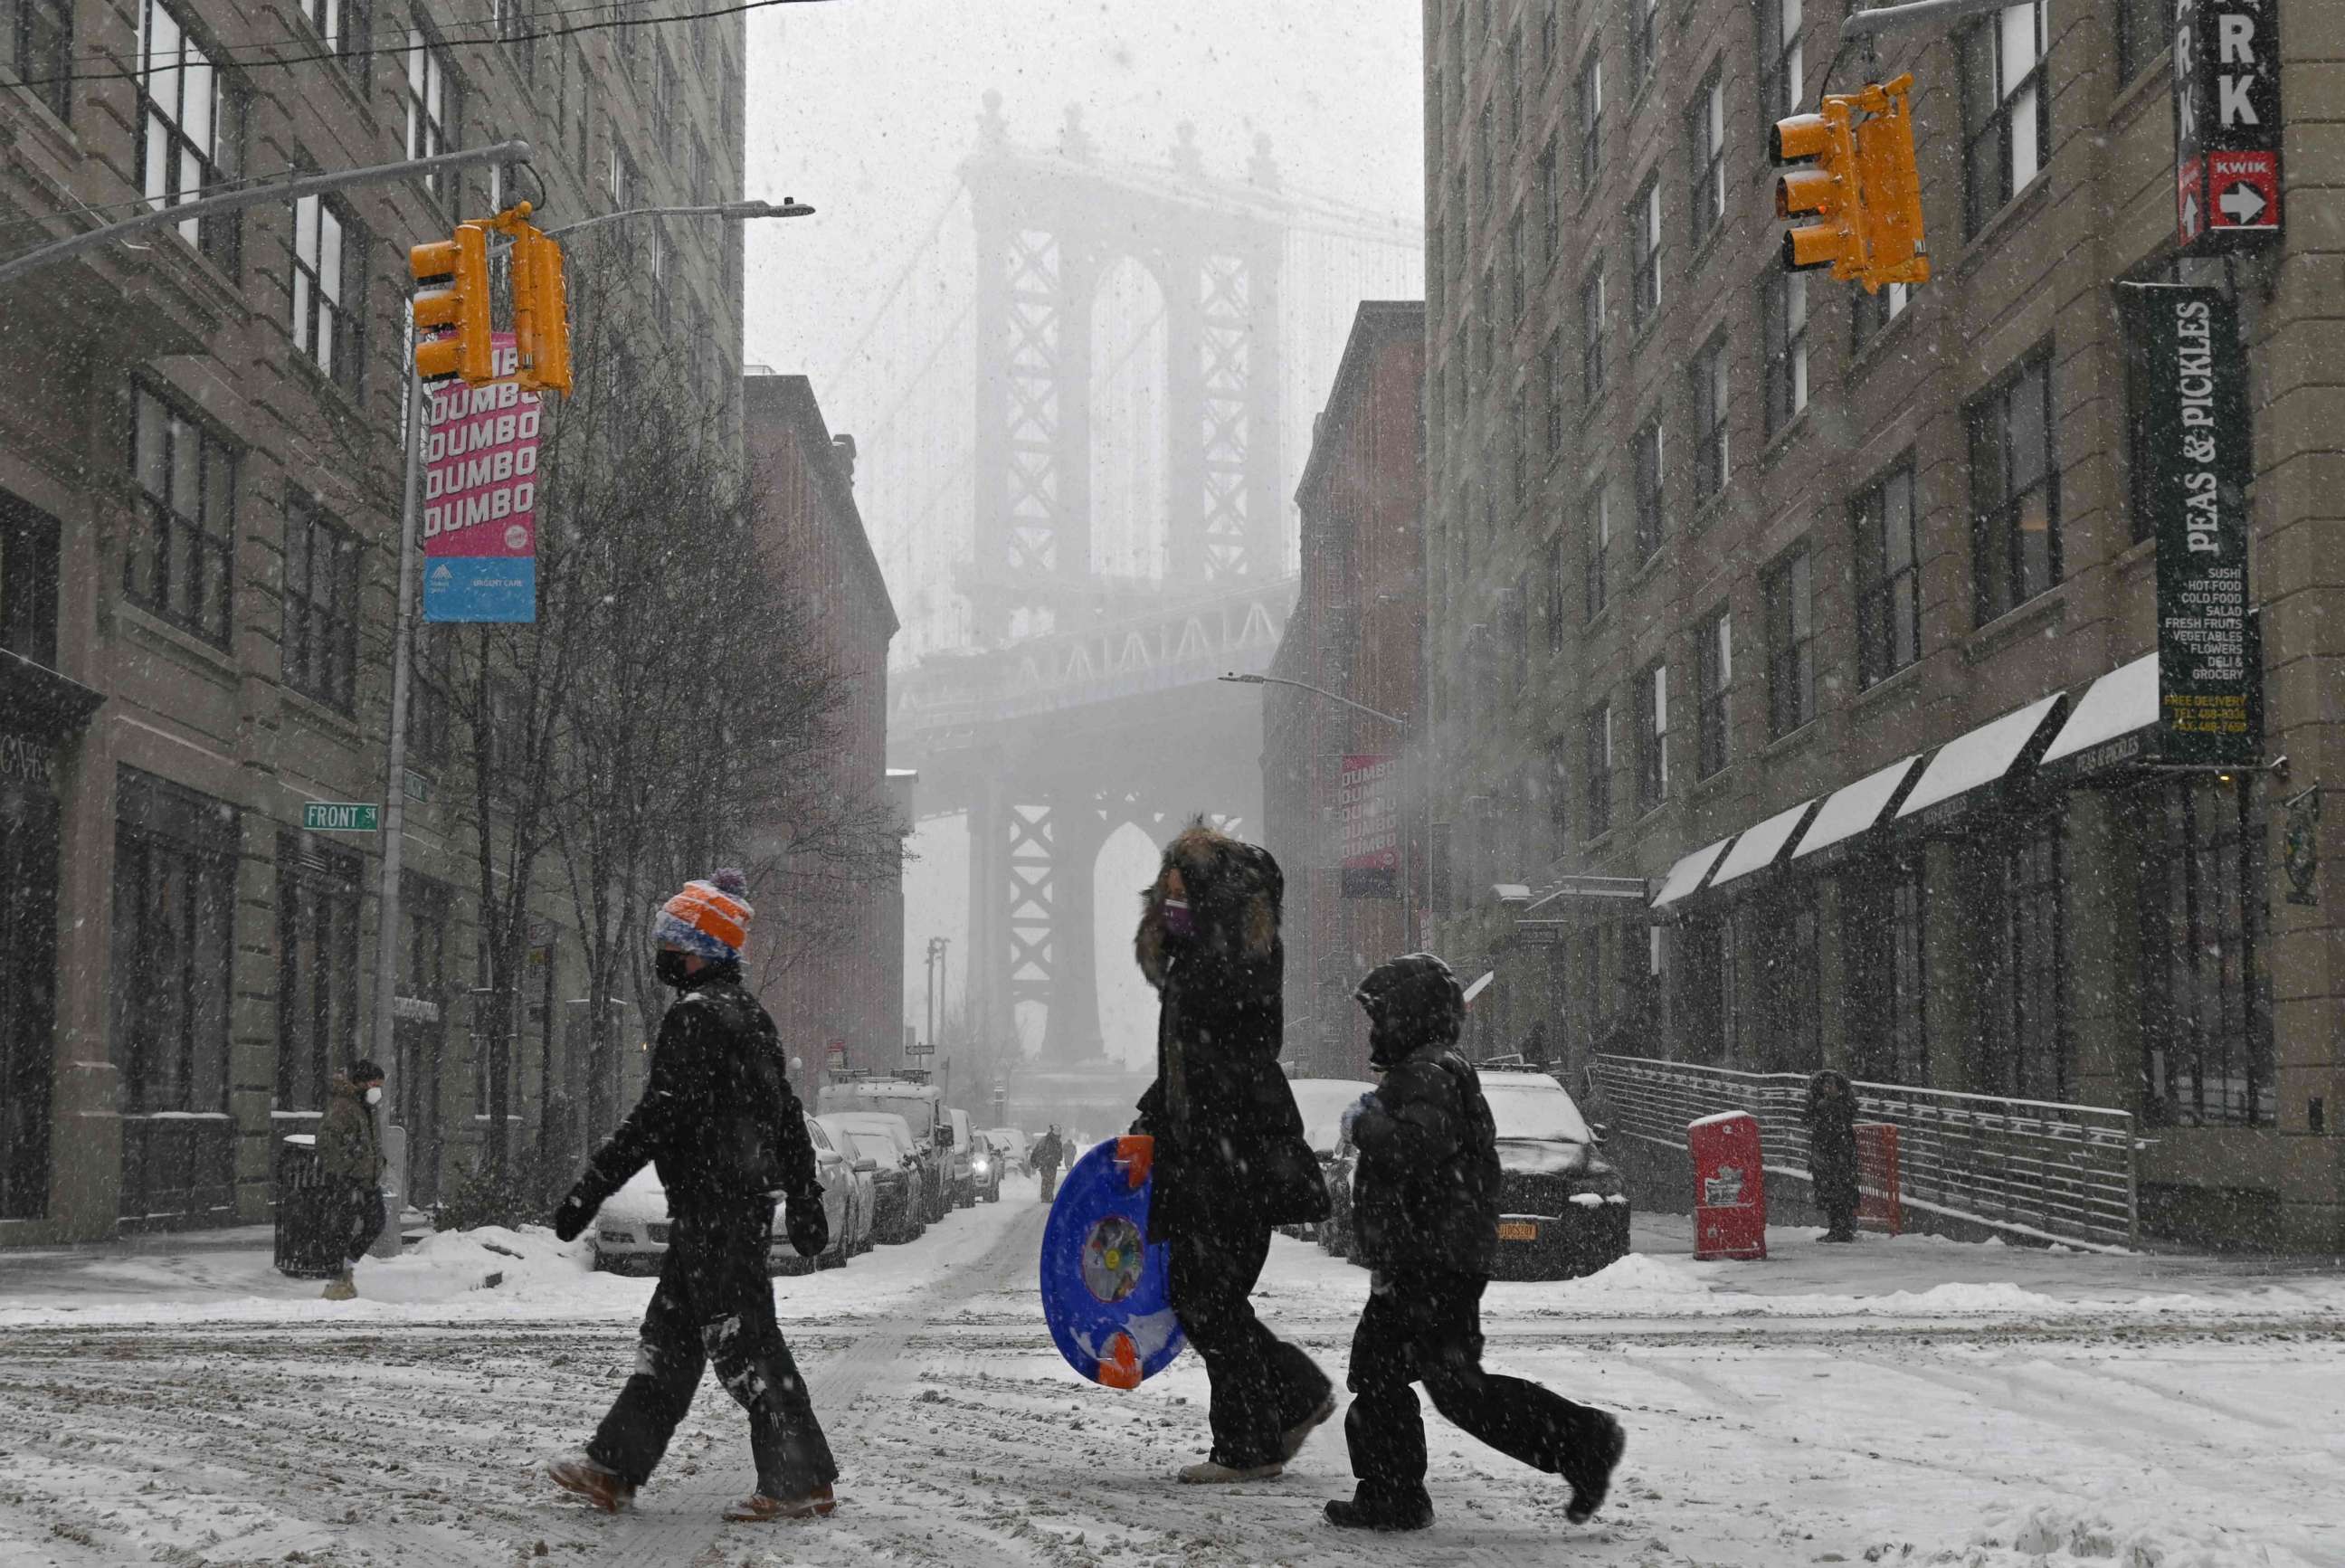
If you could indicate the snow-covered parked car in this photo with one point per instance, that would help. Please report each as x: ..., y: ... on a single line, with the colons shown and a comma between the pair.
x: 1322, y: 1101
x: 1563, y: 1208
x: 631, y: 1230
x: 855, y: 1173
x: 1013, y: 1143
x: 899, y: 1209
x: 986, y: 1162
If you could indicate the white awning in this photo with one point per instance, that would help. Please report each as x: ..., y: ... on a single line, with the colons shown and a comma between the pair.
x: 1480, y: 985
x: 1852, y: 808
x: 1981, y: 757
x: 1759, y: 846
x: 2119, y: 703
x: 1686, y: 874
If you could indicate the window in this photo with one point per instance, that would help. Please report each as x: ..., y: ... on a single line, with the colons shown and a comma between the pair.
x: 1591, y: 118
x: 1868, y: 314
x: 1549, y: 186
x: 1558, y: 792
x: 1649, y: 491
x: 1791, y: 642
x: 1652, y: 736
x: 1596, y: 768
x: 1518, y: 254
x: 620, y: 177
x: 1888, y: 578
x: 2006, y: 113
x: 1600, y: 550
x: 1648, y: 249
x: 433, y: 99
x: 1550, y: 50
x: 1487, y: 138
x: 36, y: 45
x: 1558, y: 578
x: 1713, y: 673
x: 2145, y: 30
x: 1551, y: 387
x: 1709, y: 406
x: 1785, y: 308
x: 1783, y: 61
x: 1886, y: 966
x: 1642, y: 15
x: 2026, y: 1045
x: 2015, y: 491
x: 1706, y: 147
x: 329, y: 281
x: 1591, y: 340
x: 430, y: 713
x: 190, y: 119
x: 316, y: 968
x: 2142, y: 382
x: 168, y: 989
x: 1787, y: 979
x: 28, y: 581
x: 177, y: 562
x: 2207, y: 1037
x: 321, y: 597
x: 1714, y: 1006
x: 663, y: 114
x: 1511, y: 70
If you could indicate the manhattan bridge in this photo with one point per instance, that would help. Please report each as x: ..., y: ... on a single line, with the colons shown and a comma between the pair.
x: 1092, y: 386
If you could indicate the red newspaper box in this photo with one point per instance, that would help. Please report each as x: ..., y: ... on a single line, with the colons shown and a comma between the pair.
x: 1877, y: 1206
x: 1730, y: 1203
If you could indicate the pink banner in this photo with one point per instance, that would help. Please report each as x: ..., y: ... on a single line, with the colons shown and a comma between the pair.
x: 1368, y: 814
x: 480, y: 466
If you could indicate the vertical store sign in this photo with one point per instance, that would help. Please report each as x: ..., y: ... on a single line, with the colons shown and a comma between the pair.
x: 480, y: 498
x: 2226, y: 123
x: 1367, y: 811
x: 2195, y: 447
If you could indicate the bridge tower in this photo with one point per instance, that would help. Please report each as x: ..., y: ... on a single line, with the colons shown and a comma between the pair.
x: 1047, y: 227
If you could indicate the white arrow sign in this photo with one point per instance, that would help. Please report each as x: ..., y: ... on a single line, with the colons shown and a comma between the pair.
x: 2242, y: 203
x: 2190, y: 213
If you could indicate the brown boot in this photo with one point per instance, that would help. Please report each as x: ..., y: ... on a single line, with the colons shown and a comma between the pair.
x: 340, y: 1288
x: 599, y: 1487
x: 759, y: 1509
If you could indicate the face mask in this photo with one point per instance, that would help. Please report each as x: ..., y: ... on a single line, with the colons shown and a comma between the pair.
x: 1178, y: 922
x: 668, y: 964
x: 374, y: 1095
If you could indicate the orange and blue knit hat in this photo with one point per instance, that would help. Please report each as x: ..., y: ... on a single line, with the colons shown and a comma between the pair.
x: 710, y: 918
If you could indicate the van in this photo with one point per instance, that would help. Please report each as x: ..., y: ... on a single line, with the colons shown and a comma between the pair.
x: 923, y: 1110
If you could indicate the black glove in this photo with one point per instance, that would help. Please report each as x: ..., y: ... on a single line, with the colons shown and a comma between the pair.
x: 809, y: 1227
x: 574, y: 1216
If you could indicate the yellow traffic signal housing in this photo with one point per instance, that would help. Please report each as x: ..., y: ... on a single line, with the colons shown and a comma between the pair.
x: 540, y: 313
x: 456, y: 315
x: 1891, y: 189
x: 1823, y: 185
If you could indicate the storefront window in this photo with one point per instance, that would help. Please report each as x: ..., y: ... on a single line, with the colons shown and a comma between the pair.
x: 318, y: 968
x: 2027, y: 1034
x: 1791, y: 1009
x: 1882, y: 936
x: 2206, y: 1040
x: 421, y: 1032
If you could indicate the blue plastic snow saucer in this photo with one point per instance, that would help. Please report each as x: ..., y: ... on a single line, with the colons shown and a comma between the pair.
x: 1106, y: 1292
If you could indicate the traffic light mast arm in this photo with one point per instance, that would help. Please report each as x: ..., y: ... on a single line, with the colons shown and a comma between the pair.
x: 262, y: 196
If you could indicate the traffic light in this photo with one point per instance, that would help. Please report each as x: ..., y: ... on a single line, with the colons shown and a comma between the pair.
x: 1896, y: 252
x: 540, y: 313
x: 456, y: 313
x: 1821, y: 181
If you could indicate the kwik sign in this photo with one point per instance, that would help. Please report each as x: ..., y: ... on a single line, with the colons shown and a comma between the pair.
x: 2227, y: 124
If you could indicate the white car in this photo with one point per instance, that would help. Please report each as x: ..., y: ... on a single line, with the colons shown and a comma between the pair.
x: 1013, y: 1144
x: 631, y: 1230
x: 860, y: 1173
x: 898, y: 1173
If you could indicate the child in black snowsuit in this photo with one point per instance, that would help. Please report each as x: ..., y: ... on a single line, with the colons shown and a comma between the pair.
x: 1426, y: 1208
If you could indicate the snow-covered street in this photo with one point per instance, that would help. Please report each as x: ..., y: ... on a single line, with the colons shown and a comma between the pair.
x: 1917, y: 1400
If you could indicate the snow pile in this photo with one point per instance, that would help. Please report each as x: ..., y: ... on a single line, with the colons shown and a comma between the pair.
x: 1636, y: 1282
x: 2066, y: 1535
x: 452, y: 1262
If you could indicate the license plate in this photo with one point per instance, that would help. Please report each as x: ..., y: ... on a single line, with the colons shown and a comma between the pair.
x: 1517, y: 1230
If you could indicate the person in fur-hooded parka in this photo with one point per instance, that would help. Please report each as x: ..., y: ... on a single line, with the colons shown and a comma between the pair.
x: 1230, y: 1160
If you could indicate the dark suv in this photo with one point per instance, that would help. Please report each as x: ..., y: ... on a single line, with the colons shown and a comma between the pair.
x: 1563, y: 1208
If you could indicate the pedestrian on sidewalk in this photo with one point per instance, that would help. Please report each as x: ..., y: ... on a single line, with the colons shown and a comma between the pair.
x: 1832, y: 1152
x: 1229, y: 1157
x: 350, y: 1160
x: 720, y: 1121
x: 1046, y: 1162
x: 1426, y: 1211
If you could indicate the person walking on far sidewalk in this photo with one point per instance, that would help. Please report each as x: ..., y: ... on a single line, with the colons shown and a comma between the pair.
x: 1047, y: 1149
x: 1832, y: 1152
x: 719, y: 1119
x: 1230, y: 1162
x: 1426, y: 1211
x: 350, y: 1159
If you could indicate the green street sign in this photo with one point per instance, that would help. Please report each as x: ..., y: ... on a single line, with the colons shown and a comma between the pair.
x: 341, y: 817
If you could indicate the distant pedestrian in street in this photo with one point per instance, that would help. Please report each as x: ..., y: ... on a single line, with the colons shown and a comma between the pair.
x: 350, y: 1158
x: 1832, y: 1152
x: 1229, y: 1157
x: 1426, y: 1210
x: 719, y: 1119
x: 1046, y: 1162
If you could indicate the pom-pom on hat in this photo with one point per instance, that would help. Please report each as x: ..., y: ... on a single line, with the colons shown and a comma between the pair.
x: 709, y: 918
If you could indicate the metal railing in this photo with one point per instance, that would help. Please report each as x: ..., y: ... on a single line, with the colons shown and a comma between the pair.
x: 2025, y: 1165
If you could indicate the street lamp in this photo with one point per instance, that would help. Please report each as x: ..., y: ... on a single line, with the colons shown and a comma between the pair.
x: 790, y: 206
x: 1407, y: 893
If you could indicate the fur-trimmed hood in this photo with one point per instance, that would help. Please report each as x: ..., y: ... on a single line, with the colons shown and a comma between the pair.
x: 1234, y: 888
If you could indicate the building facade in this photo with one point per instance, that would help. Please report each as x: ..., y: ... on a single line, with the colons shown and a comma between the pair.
x: 1354, y: 636
x: 199, y: 502
x: 1712, y: 545
x: 829, y: 961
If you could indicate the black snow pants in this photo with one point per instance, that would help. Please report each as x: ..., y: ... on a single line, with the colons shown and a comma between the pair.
x: 1425, y: 1326
x: 716, y: 1303
x: 362, y: 1218
x: 1261, y: 1384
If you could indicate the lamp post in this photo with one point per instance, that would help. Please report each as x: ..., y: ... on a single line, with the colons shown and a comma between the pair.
x: 936, y: 962
x: 1407, y: 892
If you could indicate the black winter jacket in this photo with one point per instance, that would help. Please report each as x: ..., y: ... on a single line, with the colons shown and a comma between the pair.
x: 718, y: 1116
x: 1425, y: 1192
x: 1832, y: 1141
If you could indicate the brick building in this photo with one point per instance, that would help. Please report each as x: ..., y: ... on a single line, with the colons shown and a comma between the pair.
x: 1723, y: 563
x: 828, y: 961
x: 199, y: 467
x: 1355, y: 632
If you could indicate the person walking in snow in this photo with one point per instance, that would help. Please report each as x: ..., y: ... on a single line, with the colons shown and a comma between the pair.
x: 350, y: 1158
x: 1426, y: 1211
x: 1832, y: 1152
x: 719, y: 1119
x: 1228, y: 1153
x: 1046, y: 1162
